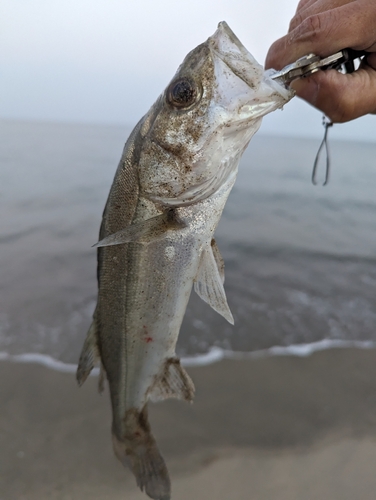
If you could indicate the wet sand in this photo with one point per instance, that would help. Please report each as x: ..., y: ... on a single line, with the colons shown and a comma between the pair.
x: 282, y: 428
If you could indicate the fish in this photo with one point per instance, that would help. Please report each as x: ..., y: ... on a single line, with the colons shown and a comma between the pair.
x: 157, y: 237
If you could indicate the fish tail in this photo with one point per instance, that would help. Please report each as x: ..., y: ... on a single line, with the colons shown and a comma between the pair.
x: 138, y: 451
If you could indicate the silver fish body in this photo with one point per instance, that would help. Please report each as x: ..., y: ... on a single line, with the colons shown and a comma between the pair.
x: 156, y: 237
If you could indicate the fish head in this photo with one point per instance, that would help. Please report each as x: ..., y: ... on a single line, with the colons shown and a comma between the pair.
x: 195, y: 134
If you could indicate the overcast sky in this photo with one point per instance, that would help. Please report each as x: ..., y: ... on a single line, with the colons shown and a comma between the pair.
x: 106, y: 61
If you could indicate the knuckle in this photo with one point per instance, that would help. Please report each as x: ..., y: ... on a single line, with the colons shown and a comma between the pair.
x: 309, y: 29
x: 312, y: 24
x: 295, y: 22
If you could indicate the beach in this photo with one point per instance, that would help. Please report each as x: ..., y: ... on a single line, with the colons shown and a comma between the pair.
x: 279, y: 427
x: 300, y: 275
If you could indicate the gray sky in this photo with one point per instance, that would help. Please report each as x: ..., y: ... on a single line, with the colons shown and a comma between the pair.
x: 106, y: 61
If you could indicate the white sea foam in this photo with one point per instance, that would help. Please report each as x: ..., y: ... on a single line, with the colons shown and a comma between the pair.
x: 40, y: 359
x: 214, y: 355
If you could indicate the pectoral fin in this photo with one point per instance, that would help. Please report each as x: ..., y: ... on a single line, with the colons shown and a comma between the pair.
x: 144, y: 231
x: 209, y: 283
x: 173, y: 382
x: 219, y: 260
x: 89, y: 355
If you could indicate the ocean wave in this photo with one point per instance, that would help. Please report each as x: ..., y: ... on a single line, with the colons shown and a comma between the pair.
x: 294, y: 252
x: 214, y: 355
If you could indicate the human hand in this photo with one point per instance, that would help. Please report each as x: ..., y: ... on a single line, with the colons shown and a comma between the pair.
x: 324, y: 27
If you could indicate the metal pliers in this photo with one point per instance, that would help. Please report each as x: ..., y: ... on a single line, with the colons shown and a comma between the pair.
x: 309, y: 64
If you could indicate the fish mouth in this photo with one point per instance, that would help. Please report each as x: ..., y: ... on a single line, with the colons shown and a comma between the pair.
x: 227, y: 46
x: 260, y: 94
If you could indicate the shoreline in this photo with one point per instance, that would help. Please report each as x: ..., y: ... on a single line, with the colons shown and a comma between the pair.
x: 273, y: 428
x: 214, y: 355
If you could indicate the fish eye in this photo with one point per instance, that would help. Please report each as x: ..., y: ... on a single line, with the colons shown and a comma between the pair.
x: 183, y: 93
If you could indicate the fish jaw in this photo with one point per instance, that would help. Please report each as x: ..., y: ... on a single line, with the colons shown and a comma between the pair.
x: 246, y: 92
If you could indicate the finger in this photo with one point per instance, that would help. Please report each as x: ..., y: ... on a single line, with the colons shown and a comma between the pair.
x: 278, y: 56
x: 371, y: 61
x: 326, y: 33
x: 319, y: 6
x: 341, y: 97
x: 303, y: 4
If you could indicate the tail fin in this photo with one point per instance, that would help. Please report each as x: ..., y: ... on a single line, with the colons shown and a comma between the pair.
x: 138, y: 451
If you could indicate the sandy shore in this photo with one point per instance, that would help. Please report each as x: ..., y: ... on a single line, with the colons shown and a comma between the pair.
x: 282, y: 428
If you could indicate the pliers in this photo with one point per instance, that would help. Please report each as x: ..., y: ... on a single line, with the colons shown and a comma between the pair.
x: 309, y: 64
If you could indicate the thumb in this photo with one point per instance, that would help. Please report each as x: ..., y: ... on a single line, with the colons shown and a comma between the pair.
x: 341, y: 97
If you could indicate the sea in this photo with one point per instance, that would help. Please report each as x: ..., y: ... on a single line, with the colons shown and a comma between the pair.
x: 300, y: 259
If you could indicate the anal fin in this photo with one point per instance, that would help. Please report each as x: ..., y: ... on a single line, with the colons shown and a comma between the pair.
x: 173, y: 382
x: 209, y: 281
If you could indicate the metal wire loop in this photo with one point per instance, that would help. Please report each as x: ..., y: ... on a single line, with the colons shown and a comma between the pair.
x: 326, y: 123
